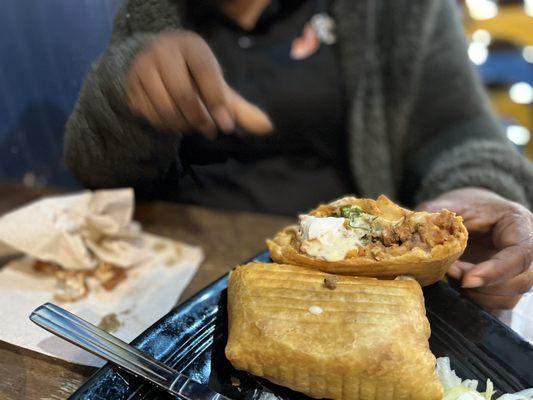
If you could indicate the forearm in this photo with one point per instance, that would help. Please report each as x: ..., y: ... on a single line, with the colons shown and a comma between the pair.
x: 478, y: 163
x: 455, y: 138
x: 472, y: 153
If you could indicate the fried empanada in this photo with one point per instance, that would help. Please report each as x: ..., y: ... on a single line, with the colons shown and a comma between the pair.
x: 359, y: 339
x: 376, y: 238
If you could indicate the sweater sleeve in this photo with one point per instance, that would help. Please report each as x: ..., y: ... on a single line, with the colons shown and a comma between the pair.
x: 455, y: 139
x: 105, y: 145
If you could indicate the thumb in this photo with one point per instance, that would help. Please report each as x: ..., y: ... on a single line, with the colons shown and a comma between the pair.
x: 249, y: 116
x: 472, y: 218
x: 439, y: 204
x: 459, y: 269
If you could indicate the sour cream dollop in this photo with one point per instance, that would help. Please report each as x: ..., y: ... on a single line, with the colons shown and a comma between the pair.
x: 327, y: 238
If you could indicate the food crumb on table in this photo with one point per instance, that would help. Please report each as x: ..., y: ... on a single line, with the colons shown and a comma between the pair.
x: 110, y: 323
x: 159, y: 246
x: 170, y: 261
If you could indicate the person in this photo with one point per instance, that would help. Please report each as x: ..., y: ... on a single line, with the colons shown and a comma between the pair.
x: 274, y: 106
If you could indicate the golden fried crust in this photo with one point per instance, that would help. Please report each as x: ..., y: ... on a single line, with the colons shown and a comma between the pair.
x: 370, y: 342
x: 426, y: 267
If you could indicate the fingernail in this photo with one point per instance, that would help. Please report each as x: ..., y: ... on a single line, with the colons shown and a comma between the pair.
x: 224, y: 120
x: 454, y: 272
x: 209, y: 130
x: 472, y: 282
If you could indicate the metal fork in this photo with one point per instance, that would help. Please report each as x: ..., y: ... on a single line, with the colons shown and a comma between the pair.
x: 83, y: 334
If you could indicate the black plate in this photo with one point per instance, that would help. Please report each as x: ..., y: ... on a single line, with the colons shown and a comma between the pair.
x: 192, y: 336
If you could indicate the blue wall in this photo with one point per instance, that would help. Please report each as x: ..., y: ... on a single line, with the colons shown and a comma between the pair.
x: 46, y: 48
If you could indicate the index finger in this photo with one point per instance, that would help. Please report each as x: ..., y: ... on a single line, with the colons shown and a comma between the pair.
x: 207, y: 75
x: 504, y: 265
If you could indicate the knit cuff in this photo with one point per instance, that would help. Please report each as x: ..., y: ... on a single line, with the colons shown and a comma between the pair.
x: 487, y: 164
x: 114, y: 66
x: 105, y: 144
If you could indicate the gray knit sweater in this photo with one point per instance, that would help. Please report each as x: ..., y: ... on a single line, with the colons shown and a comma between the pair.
x: 419, y: 121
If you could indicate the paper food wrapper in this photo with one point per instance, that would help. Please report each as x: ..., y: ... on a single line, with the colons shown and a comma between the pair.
x: 76, y: 231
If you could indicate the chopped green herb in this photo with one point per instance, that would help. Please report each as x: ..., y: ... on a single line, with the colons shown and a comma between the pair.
x: 350, y: 211
x: 360, y: 227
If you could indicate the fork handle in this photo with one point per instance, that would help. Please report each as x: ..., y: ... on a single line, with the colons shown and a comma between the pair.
x: 104, y: 345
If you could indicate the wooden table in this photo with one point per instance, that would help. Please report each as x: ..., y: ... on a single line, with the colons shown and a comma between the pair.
x: 227, y: 238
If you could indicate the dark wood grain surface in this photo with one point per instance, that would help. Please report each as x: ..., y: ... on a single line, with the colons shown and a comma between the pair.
x: 227, y: 238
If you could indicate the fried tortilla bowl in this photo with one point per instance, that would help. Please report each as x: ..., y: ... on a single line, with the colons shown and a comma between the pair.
x: 327, y: 336
x: 396, y: 241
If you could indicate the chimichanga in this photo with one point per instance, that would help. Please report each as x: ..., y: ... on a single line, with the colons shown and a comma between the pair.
x: 328, y: 336
x: 377, y: 238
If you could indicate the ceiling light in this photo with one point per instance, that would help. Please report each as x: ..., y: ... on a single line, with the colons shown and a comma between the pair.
x: 521, y: 93
x: 527, y: 53
x: 518, y: 134
x: 483, y: 9
x: 478, y: 53
x: 482, y: 36
x: 528, y: 7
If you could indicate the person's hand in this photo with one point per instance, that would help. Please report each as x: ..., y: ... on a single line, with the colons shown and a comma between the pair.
x: 496, y: 268
x: 176, y: 84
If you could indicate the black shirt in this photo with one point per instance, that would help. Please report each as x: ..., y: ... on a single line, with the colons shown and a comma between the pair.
x: 305, y: 161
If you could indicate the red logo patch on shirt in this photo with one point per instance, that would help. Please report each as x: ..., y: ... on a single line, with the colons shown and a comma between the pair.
x: 321, y: 29
x: 305, y: 45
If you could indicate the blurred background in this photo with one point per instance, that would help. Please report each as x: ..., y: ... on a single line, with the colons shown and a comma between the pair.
x: 46, y: 48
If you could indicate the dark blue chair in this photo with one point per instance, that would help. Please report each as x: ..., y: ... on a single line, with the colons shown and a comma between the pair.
x: 46, y: 48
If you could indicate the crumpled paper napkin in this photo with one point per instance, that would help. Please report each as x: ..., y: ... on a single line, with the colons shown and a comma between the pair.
x: 76, y: 231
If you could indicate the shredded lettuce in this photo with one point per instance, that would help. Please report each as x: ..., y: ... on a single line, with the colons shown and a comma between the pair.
x: 457, y: 389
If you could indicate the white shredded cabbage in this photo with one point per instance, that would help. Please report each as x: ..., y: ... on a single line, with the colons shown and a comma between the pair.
x: 457, y: 389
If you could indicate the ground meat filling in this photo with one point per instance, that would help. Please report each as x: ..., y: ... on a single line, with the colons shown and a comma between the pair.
x: 350, y: 231
x: 415, y: 230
